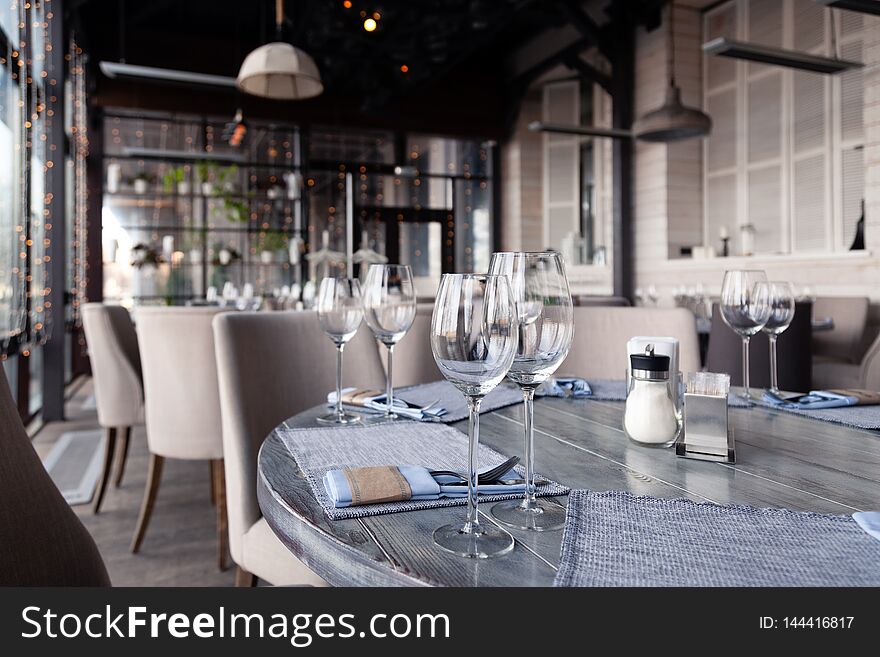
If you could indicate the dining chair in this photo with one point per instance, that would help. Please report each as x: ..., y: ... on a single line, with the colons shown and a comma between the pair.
x: 865, y: 374
x: 844, y: 342
x: 42, y: 542
x: 119, y: 389
x: 413, y: 360
x: 600, y: 335
x: 182, y: 403
x: 270, y: 367
x: 793, y: 349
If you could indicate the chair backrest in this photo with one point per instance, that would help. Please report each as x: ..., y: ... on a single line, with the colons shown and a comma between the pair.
x: 601, y: 334
x: 413, y: 361
x: 116, y: 364
x: 599, y: 300
x: 844, y: 342
x: 42, y: 542
x: 272, y: 366
x: 793, y: 348
x: 180, y: 381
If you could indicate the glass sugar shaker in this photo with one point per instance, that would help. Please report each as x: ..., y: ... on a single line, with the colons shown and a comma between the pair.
x: 651, y: 416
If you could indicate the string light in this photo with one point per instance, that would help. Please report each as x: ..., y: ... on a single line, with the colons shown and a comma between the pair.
x: 370, y: 24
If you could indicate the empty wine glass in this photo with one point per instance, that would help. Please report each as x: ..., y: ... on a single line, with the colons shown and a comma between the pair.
x: 744, y: 309
x: 781, y: 301
x: 473, y: 339
x: 546, y: 326
x: 340, y: 312
x: 389, y: 309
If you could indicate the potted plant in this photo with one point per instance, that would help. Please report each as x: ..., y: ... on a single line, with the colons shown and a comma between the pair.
x: 203, y: 172
x: 145, y: 261
x: 175, y: 179
x: 224, y: 257
x: 269, y: 244
x: 141, y: 182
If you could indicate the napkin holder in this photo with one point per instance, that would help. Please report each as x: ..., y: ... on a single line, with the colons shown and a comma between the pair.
x: 706, y: 434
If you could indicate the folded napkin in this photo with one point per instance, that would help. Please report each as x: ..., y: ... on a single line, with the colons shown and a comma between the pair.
x: 373, y: 400
x: 818, y: 399
x: 869, y: 521
x: 394, y: 483
x: 565, y: 386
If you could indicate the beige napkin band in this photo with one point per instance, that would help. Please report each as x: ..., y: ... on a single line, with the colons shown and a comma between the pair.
x: 381, y: 483
x: 865, y: 397
x: 359, y: 397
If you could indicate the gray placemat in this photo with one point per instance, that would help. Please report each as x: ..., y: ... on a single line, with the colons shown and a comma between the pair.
x: 453, y: 401
x: 619, y: 539
x: 858, y: 417
x: 400, y: 443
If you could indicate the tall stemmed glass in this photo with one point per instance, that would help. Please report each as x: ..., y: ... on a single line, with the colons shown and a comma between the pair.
x: 546, y: 327
x: 389, y: 308
x: 745, y: 309
x: 473, y: 339
x: 340, y: 312
x: 781, y: 301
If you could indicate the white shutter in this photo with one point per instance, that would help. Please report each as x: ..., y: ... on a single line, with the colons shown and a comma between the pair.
x: 810, y: 232
x: 851, y: 22
x: 721, y: 143
x: 562, y: 163
x: 852, y: 91
x: 853, y: 189
x: 765, y: 208
x: 809, y: 25
x: 765, y: 28
x: 765, y: 117
x: 721, y: 208
x: 718, y: 23
x: 809, y: 111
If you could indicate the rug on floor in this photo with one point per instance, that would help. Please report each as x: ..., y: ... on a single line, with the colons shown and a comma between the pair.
x: 74, y: 464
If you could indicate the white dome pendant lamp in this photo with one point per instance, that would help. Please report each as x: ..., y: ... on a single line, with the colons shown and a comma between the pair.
x: 279, y: 70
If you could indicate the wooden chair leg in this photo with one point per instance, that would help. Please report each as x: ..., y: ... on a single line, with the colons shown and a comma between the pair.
x: 109, y: 447
x: 244, y: 579
x: 213, y: 484
x: 219, y: 480
x: 153, y: 476
x: 122, y: 456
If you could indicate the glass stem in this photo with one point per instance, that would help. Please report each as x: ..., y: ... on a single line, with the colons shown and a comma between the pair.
x: 529, y: 444
x: 473, y: 521
x: 339, y: 411
x: 389, y: 389
x: 774, y: 384
x: 746, y: 339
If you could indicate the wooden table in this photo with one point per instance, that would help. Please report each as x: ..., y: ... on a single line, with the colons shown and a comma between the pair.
x: 783, y: 460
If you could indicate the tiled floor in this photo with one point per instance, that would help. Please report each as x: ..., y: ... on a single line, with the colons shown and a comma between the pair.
x: 180, y: 545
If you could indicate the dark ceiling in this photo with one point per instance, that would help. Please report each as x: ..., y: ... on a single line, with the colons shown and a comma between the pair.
x: 455, y: 54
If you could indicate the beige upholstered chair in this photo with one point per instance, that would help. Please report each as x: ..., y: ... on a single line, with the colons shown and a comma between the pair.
x: 843, y: 343
x: 42, y: 542
x: 116, y: 373
x: 182, y: 402
x: 270, y: 367
x: 601, y: 334
x: 840, y: 374
x: 413, y: 361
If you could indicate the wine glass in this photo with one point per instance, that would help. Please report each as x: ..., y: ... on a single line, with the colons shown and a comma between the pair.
x: 389, y: 309
x: 473, y: 339
x: 340, y: 311
x: 545, y: 330
x: 744, y: 309
x: 781, y: 301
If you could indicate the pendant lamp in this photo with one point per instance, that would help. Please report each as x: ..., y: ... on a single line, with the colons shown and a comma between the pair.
x: 279, y: 70
x: 673, y: 121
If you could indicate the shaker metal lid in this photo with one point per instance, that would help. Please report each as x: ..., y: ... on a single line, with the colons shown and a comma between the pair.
x: 649, y: 366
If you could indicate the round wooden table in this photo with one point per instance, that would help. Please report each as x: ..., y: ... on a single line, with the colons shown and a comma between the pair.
x: 783, y: 460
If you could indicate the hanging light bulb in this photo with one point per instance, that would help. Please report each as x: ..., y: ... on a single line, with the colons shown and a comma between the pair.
x: 279, y: 70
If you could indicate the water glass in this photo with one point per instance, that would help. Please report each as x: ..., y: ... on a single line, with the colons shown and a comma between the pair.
x: 781, y: 301
x: 745, y: 309
x: 340, y: 311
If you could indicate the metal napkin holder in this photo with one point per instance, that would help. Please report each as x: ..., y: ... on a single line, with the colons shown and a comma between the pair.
x: 706, y: 434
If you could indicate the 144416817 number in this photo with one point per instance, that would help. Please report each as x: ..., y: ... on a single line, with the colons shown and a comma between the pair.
x: 818, y: 622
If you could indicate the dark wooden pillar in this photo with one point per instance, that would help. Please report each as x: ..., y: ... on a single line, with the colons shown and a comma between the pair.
x: 622, y: 91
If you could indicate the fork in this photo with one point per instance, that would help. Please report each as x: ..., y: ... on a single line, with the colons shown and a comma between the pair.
x: 484, y: 477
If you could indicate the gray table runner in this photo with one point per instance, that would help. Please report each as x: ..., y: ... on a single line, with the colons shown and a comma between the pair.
x: 619, y: 539
x: 389, y: 443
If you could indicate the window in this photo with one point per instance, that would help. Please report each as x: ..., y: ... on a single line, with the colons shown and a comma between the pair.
x: 784, y: 162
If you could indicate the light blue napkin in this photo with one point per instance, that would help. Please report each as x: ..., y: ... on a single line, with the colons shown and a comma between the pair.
x: 869, y: 521
x: 816, y: 399
x: 565, y: 386
x: 378, y: 404
x: 423, y: 485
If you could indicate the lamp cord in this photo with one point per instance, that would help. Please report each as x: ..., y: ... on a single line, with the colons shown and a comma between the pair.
x: 279, y: 17
x: 671, y: 59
